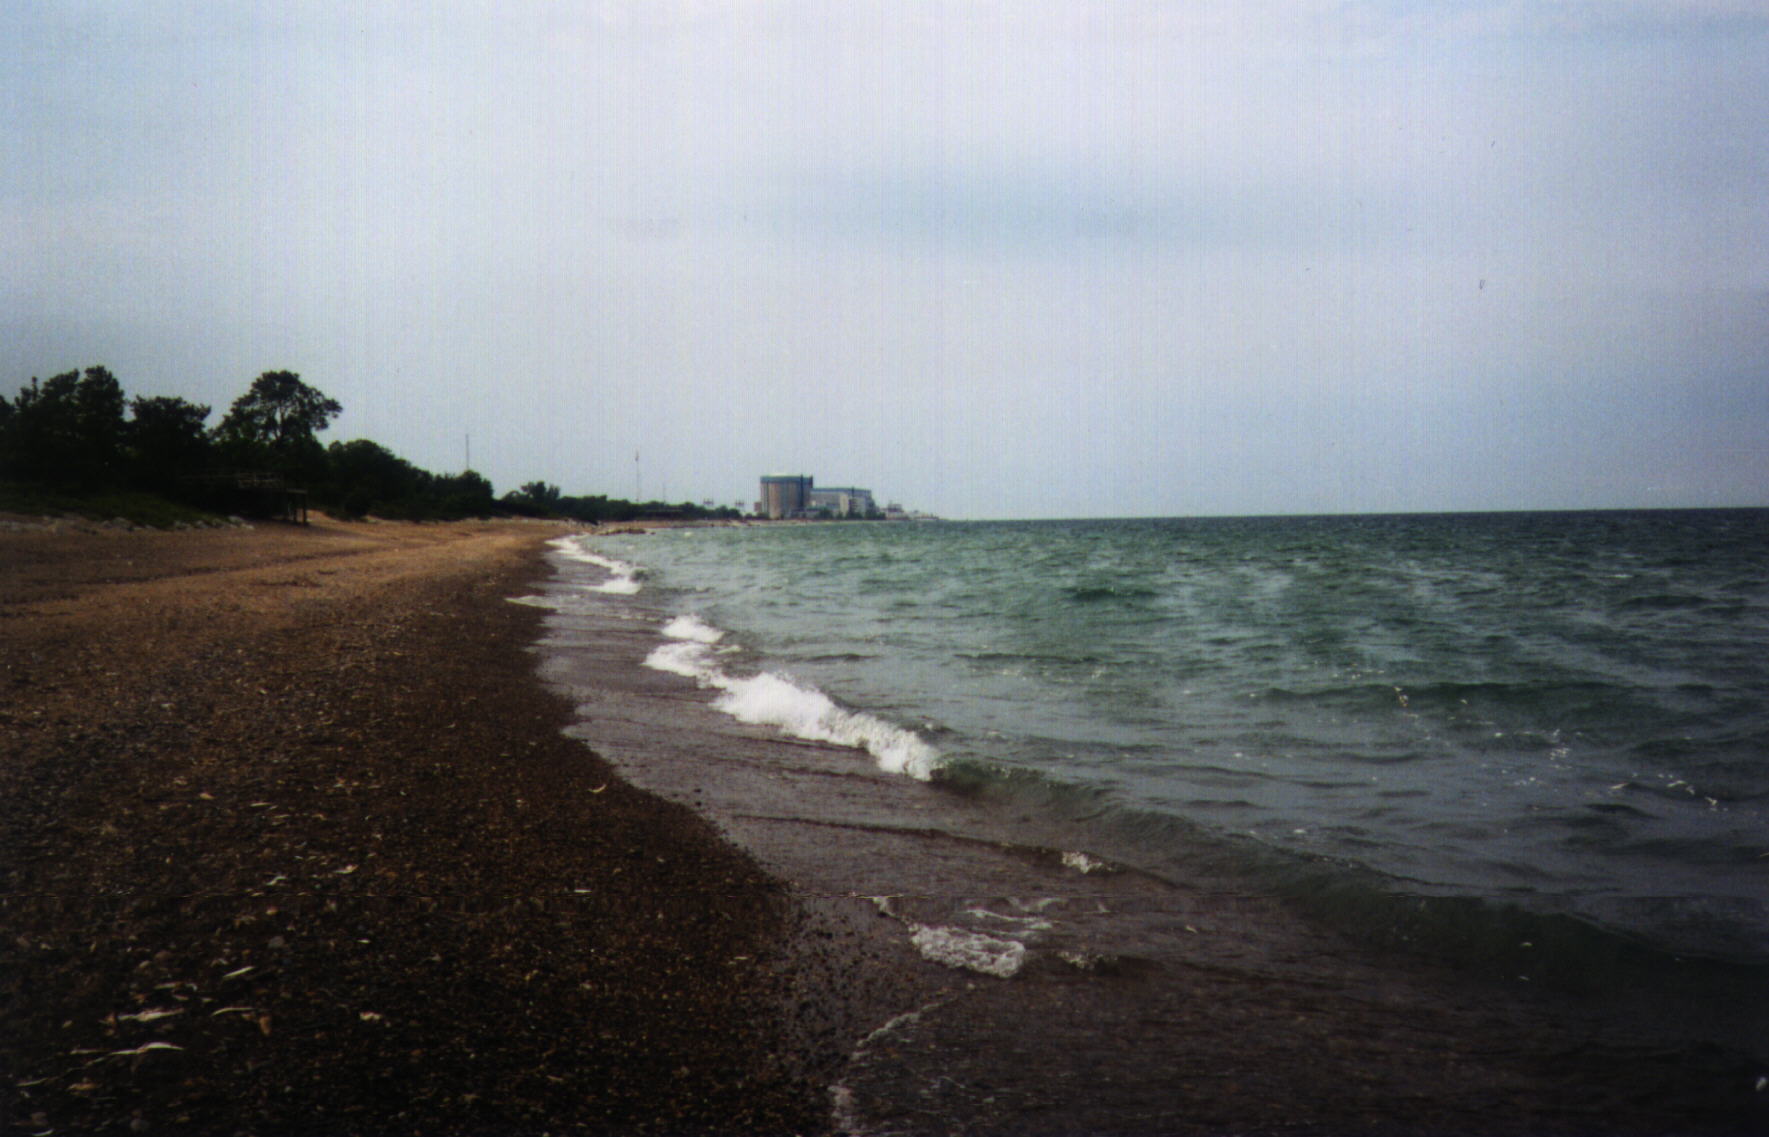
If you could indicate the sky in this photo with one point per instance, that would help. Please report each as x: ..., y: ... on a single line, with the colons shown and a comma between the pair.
x: 986, y: 259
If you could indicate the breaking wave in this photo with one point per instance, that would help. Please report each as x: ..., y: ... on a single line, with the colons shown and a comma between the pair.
x: 773, y: 699
x: 622, y: 577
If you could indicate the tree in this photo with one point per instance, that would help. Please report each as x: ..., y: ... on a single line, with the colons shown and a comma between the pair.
x: 466, y: 494
x: 534, y: 499
x: 272, y: 425
x: 367, y: 476
x: 67, y: 430
x: 166, y: 441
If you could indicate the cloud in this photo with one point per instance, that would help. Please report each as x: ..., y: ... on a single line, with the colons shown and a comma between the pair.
x: 1213, y: 257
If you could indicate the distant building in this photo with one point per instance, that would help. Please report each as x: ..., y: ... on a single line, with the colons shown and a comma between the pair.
x: 793, y: 496
x: 843, y: 501
x: 785, y: 495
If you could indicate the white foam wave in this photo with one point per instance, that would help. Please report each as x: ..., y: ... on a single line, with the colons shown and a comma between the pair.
x: 622, y: 576
x: 973, y: 951
x: 774, y: 700
x: 691, y: 627
x: 808, y: 713
x: 684, y: 657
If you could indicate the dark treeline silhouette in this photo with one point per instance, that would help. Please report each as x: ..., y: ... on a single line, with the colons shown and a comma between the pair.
x: 77, y: 433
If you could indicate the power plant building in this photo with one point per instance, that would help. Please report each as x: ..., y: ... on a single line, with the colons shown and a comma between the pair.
x: 843, y: 501
x: 794, y: 496
x: 785, y: 495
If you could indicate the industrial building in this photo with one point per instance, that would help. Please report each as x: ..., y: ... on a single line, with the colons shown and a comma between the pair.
x: 794, y: 495
x: 785, y: 495
x: 843, y: 502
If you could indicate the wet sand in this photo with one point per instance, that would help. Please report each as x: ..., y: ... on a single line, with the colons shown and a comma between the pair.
x: 292, y: 843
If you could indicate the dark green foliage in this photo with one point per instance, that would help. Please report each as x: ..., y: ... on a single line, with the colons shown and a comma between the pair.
x: 534, y: 499
x: 272, y: 426
x: 598, y: 509
x: 66, y: 440
x: 467, y: 494
x: 365, y: 477
x: 66, y: 431
x: 167, y: 443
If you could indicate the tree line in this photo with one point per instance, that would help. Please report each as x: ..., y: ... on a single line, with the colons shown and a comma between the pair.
x: 79, y: 433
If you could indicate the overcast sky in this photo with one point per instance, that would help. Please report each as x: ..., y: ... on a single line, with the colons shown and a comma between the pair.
x: 1012, y: 259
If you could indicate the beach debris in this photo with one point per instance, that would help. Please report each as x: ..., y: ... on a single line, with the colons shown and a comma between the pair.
x: 1082, y: 863
x: 144, y: 1048
x: 151, y: 1015
x: 1038, y: 905
x: 1091, y: 962
x: 231, y: 1011
x: 371, y: 1016
x: 345, y: 871
x: 600, y: 788
x: 1028, y: 924
x: 239, y: 973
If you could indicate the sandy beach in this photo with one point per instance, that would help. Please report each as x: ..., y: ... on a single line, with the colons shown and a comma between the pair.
x: 296, y: 841
x: 293, y: 844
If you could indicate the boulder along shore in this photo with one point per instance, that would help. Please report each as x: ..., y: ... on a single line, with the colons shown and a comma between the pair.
x: 291, y: 842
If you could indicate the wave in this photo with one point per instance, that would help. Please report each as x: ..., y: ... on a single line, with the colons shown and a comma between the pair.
x: 1071, y: 659
x: 1452, y: 695
x: 692, y: 629
x: 1576, y: 942
x: 773, y: 699
x: 1663, y: 602
x: 1106, y: 594
x: 623, y: 577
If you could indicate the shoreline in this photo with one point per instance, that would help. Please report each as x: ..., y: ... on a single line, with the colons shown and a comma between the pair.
x: 293, y: 842
x: 1024, y: 982
x: 296, y: 839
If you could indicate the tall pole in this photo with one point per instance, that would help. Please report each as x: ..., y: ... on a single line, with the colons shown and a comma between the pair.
x: 467, y: 446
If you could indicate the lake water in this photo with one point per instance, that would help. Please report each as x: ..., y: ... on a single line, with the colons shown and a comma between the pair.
x: 1533, y: 747
x: 1567, y: 712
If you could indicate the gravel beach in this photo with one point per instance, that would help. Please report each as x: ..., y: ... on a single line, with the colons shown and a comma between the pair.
x: 293, y: 844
